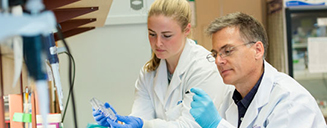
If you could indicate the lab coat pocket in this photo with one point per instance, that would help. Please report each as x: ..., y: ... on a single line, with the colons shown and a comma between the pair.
x: 174, y: 113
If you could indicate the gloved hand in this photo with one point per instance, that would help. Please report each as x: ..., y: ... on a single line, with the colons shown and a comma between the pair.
x: 130, y: 122
x: 100, y: 118
x: 203, y: 110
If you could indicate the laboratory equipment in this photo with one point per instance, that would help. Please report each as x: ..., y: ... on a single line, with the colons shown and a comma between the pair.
x: 52, y: 55
x: 128, y: 122
x: 34, y: 58
x: 32, y: 27
x: 302, y: 23
x: 108, y: 112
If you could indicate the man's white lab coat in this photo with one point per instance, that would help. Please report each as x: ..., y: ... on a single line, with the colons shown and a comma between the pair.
x: 280, y: 102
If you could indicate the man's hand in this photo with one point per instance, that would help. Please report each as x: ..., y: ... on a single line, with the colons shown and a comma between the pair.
x: 203, y: 109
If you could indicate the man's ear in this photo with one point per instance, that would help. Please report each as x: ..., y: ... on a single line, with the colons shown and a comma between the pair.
x: 259, y: 50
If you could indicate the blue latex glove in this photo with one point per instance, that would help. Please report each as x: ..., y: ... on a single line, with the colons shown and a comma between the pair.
x: 130, y: 122
x: 100, y: 118
x: 203, y: 110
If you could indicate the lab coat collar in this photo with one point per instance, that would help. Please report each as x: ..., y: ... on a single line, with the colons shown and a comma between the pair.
x: 183, y: 62
x: 182, y: 65
x: 161, y: 81
x: 232, y: 113
x: 161, y: 88
x: 262, y: 96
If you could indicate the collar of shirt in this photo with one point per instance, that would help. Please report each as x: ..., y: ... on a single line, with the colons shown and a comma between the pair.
x: 244, y: 103
x: 169, y: 75
x: 249, y: 97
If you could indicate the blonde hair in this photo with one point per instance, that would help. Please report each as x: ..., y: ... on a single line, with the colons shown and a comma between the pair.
x: 179, y: 10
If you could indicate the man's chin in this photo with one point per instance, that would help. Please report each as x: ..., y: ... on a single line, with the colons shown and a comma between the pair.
x: 227, y: 80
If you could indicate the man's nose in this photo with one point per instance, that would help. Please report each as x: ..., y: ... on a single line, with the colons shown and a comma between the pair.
x: 220, y: 60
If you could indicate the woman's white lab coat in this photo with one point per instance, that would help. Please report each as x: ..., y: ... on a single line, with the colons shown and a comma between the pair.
x: 280, y: 102
x: 167, y: 106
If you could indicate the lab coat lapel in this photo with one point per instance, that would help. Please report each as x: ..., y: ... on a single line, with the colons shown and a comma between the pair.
x: 161, y: 81
x: 262, y: 96
x: 175, y: 82
x: 180, y: 69
x: 232, y: 114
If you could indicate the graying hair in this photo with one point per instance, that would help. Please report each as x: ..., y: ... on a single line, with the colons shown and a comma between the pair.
x: 250, y: 29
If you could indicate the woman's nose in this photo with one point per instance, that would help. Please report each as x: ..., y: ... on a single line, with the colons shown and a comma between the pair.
x: 158, y: 41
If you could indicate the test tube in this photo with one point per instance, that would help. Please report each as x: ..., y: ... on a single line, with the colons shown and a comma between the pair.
x: 98, y: 105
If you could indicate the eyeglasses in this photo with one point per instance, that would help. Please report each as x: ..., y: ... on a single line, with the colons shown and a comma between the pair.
x: 226, y: 51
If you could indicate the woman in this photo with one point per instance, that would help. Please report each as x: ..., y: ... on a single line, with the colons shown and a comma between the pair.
x: 177, y: 65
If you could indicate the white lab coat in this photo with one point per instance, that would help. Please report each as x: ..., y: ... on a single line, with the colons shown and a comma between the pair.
x: 280, y: 102
x: 167, y: 106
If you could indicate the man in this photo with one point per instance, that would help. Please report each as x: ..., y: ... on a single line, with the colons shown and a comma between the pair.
x: 262, y: 97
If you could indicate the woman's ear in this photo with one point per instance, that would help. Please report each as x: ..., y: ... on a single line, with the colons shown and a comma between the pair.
x: 259, y: 50
x: 187, y: 29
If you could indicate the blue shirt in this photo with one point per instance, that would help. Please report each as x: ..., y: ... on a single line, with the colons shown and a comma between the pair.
x: 243, y: 104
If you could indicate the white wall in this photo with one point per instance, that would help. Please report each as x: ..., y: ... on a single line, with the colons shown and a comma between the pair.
x: 108, y: 60
x: 121, y: 12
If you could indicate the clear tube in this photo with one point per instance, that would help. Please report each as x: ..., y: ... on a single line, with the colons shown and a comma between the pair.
x: 98, y: 105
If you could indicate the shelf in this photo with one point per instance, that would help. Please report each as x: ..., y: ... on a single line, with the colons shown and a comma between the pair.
x: 100, y: 14
x: 73, y: 32
x: 72, y: 24
x: 52, y: 4
x: 306, y: 75
x: 66, y: 14
x: 300, y: 45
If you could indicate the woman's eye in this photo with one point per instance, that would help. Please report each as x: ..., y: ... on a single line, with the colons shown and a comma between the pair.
x: 167, y: 36
x: 151, y: 34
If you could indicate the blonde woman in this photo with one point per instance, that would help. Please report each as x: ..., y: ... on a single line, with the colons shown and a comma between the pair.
x: 177, y: 65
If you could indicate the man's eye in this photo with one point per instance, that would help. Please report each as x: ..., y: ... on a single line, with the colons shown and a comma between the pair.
x: 215, y: 55
x: 228, y: 51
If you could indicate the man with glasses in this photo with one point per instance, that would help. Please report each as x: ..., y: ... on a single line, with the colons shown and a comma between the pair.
x: 260, y: 96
